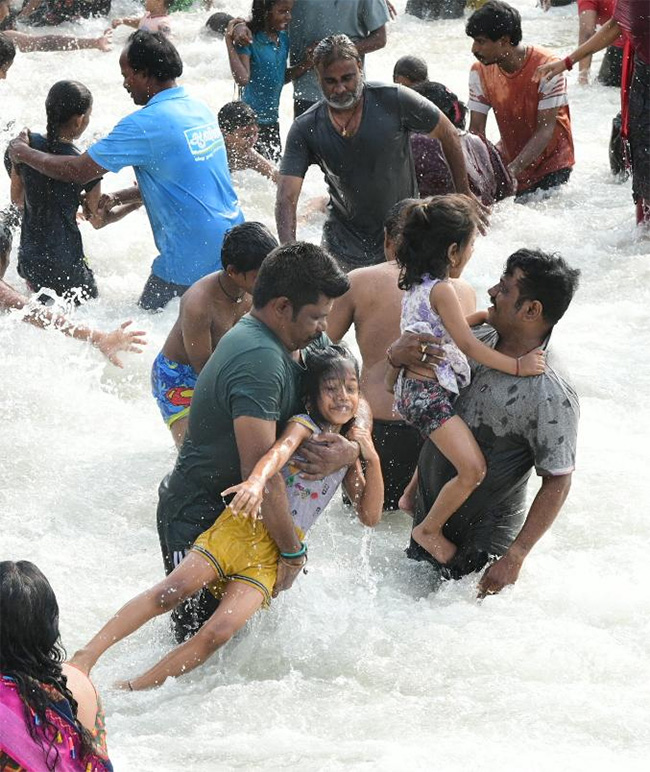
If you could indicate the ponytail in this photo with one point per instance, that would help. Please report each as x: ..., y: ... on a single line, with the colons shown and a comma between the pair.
x: 65, y: 99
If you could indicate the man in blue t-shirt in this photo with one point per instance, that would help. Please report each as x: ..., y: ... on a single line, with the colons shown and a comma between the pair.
x: 177, y: 151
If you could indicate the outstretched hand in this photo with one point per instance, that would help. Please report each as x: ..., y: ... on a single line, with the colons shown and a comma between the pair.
x: 248, y: 498
x: 105, y: 42
x: 121, y: 339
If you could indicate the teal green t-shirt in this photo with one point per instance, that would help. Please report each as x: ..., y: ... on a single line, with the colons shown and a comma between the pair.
x: 251, y: 373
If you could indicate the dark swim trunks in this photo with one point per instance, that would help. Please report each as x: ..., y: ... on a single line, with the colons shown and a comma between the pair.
x: 552, y: 180
x: 398, y: 446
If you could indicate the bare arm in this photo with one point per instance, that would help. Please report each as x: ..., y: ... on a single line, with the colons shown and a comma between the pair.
x: 254, y: 437
x: 256, y: 161
x: 546, y: 123
x: 27, y: 43
x: 477, y: 122
x: 340, y: 318
x: 99, y: 213
x: 109, y: 343
x: 286, y: 205
x: 131, y: 21
x: 67, y: 168
x: 240, y: 64
x: 543, y: 511
x: 17, y: 189
x: 366, y: 492
x: 445, y: 301
x: 372, y: 42
x: 451, y: 147
x: 250, y: 492
x: 477, y: 318
x: 295, y: 72
x: 605, y: 36
x: 586, y: 28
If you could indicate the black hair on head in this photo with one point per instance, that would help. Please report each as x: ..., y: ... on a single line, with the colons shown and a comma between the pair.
x: 334, y: 361
x: 495, y: 20
x: 445, y: 100
x: 155, y: 54
x: 429, y: 228
x: 66, y: 99
x: 236, y: 115
x: 259, y: 12
x: 7, y: 50
x: 300, y: 272
x: 246, y: 245
x: 218, y: 22
x: 30, y: 648
x: 547, y: 277
x: 333, y: 49
x: 414, y: 68
x: 395, y: 217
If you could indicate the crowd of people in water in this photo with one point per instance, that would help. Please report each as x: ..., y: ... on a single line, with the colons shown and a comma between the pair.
x: 450, y: 408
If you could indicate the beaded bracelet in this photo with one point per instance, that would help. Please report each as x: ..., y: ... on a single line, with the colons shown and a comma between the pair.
x: 568, y: 62
x: 292, y: 555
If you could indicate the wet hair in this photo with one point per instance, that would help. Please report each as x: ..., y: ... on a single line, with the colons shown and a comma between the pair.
x: 395, y: 217
x: 259, y: 13
x: 246, y: 245
x: 30, y: 648
x: 10, y: 218
x: 7, y: 50
x: 495, y: 20
x: 334, y: 361
x: 414, y: 68
x: 445, y: 100
x: 300, y: 272
x: 334, y: 48
x: 547, y: 277
x: 155, y: 54
x: 66, y: 99
x: 430, y: 227
x: 218, y: 22
x: 236, y: 115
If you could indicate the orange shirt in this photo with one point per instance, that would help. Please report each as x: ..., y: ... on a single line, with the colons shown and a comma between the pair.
x: 516, y: 100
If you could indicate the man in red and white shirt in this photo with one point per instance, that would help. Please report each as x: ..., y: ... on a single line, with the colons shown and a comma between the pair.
x: 533, y: 118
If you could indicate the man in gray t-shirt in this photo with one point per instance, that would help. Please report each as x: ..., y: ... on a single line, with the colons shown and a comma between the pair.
x: 519, y: 423
x: 363, y: 21
x: 359, y: 136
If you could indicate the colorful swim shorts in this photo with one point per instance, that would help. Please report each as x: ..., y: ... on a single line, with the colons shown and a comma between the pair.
x: 423, y: 404
x: 240, y: 549
x: 172, y: 384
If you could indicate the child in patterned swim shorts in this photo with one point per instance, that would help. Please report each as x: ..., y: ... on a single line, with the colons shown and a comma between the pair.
x: 236, y: 558
x: 437, y: 242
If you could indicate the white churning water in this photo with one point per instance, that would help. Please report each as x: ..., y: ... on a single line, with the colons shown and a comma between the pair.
x: 359, y: 666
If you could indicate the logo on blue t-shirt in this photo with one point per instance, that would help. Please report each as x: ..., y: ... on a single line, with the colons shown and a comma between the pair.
x: 203, y: 141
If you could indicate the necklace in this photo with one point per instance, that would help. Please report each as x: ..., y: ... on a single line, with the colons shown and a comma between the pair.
x: 231, y: 298
x: 343, y: 128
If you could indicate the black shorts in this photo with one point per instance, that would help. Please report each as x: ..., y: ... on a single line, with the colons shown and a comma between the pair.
x: 398, y: 447
x: 181, y: 517
x: 74, y: 282
x: 268, y: 142
x: 157, y: 293
x: 552, y: 180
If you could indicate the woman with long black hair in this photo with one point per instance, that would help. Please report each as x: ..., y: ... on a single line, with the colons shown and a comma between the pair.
x: 50, y: 714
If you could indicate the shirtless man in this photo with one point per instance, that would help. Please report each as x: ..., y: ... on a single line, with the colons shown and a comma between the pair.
x: 208, y: 309
x: 373, y: 305
x: 238, y: 124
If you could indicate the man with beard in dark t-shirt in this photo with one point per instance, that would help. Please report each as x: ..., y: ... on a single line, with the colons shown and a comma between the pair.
x: 519, y: 423
x: 359, y: 135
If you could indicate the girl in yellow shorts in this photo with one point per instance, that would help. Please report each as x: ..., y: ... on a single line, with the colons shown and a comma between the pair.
x: 236, y: 558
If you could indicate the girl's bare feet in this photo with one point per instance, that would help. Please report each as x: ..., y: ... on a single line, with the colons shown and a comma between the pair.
x: 437, y: 545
